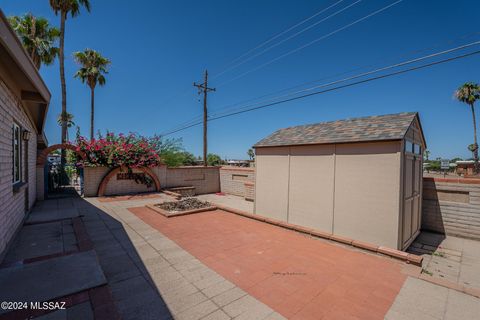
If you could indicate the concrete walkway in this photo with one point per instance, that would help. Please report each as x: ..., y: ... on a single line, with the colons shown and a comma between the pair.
x: 52, y: 260
x: 420, y: 299
x: 449, y: 258
x: 228, y: 200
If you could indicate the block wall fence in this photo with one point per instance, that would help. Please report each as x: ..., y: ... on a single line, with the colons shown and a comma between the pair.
x: 452, y: 206
x: 238, y: 181
x: 204, y: 179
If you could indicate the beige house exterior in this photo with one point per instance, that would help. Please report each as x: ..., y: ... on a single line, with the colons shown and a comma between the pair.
x: 24, y: 100
x: 358, y: 178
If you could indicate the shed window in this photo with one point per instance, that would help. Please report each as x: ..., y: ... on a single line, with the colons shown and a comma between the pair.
x: 17, y: 154
x: 417, y: 149
x: 408, y: 146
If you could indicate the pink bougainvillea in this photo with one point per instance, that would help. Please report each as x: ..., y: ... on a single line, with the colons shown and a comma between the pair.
x: 131, y: 151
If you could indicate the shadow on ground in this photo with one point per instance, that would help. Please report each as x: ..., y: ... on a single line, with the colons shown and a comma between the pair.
x: 48, y: 238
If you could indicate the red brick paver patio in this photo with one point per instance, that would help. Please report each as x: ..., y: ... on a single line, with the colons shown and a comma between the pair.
x: 299, y: 277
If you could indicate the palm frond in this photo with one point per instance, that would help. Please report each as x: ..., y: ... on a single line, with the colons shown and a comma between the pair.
x: 37, y: 36
x: 69, y: 6
x: 93, y: 67
x: 468, y: 93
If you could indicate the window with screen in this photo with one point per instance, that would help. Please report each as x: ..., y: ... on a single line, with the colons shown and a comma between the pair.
x: 17, y: 154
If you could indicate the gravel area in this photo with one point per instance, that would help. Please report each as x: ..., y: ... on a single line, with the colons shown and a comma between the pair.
x: 183, y: 205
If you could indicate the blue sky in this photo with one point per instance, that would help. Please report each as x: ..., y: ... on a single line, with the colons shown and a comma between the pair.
x: 158, y: 48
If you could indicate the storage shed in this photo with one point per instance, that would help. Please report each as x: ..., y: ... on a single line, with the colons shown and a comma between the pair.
x: 359, y: 178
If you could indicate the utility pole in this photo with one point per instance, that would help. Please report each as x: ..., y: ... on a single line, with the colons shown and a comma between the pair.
x: 205, y: 89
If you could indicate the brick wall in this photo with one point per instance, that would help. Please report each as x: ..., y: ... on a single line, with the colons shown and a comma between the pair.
x: 12, y: 203
x: 204, y: 179
x: 233, y: 179
x: 249, y: 191
x: 92, y: 176
x: 452, y: 206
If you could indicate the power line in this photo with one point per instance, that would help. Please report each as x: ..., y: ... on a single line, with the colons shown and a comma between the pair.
x: 334, y: 88
x: 289, y: 37
x: 310, y: 43
x: 275, y: 37
x: 389, y: 67
x: 226, y: 110
x: 183, y: 93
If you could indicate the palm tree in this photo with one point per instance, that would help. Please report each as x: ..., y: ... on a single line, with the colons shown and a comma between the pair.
x: 67, y: 118
x: 37, y: 37
x: 64, y: 7
x: 93, y: 67
x: 251, y: 154
x: 469, y: 93
x: 426, y: 154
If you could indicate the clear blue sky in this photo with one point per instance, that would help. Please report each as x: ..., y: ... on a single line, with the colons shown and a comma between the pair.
x: 158, y: 48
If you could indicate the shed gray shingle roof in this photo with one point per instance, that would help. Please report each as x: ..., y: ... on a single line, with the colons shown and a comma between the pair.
x: 374, y: 128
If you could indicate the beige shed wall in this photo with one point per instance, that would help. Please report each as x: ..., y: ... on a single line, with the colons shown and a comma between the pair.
x: 311, y: 186
x: 367, y: 192
x: 271, y: 182
x: 351, y: 190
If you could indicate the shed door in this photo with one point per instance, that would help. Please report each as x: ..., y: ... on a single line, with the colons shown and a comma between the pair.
x: 412, y: 193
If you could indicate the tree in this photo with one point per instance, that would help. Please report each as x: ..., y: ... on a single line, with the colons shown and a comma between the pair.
x: 66, y: 118
x: 426, y: 154
x: 251, y: 154
x: 214, y: 159
x: 188, y: 159
x: 93, y: 67
x: 37, y: 37
x: 65, y: 7
x: 469, y: 93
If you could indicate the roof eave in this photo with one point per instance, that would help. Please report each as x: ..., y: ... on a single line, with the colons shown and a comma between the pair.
x: 12, y: 45
x: 325, y: 143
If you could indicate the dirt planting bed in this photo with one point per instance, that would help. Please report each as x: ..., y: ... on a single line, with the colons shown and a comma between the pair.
x: 182, y: 207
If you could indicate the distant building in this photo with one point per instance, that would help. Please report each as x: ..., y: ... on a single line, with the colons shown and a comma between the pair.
x: 465, y: 167
x: 239, y: 163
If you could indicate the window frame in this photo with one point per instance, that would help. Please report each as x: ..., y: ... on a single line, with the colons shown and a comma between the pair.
x: 17, y: 153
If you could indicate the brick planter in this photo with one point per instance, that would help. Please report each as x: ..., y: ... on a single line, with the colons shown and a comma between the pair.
x: 170, y: 214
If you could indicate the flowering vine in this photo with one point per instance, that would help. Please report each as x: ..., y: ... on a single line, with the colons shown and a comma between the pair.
x: 130, y: 151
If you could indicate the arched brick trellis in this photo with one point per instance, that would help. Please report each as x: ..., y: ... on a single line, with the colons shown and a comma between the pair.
x: 42, y: 157
x: 103, y: 185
